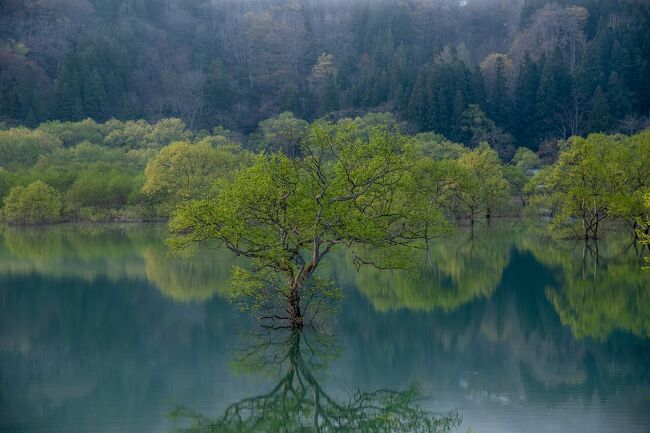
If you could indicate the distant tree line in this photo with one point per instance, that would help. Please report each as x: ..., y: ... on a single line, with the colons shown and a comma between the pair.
x: 519, y: 72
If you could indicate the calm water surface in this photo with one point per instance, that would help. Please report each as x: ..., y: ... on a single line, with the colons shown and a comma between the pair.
x: 102, y: 331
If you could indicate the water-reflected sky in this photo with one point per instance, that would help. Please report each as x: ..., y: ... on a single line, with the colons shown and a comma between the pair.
x: 102, y: 331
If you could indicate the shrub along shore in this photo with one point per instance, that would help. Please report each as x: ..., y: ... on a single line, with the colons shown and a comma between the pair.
x: 139, y: 171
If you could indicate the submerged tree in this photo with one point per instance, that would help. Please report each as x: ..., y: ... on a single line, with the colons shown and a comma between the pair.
x: 287, y: 214
x: 481, y: 184
x: 644, y: 232
x: 582, y: 187
x: 299, y: 403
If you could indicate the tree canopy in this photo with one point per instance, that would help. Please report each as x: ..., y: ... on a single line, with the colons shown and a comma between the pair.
x: 287, y: 214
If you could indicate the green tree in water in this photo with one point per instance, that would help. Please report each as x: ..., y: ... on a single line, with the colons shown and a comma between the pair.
x: 583, y: 186
x: 287, y: 214
x: 644, y: 232
x: 481, y: 184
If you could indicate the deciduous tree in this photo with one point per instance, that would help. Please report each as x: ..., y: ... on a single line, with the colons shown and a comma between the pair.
x: 287, y: 214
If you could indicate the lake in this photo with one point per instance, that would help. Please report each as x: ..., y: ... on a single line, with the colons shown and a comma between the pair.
x: 101, y: 330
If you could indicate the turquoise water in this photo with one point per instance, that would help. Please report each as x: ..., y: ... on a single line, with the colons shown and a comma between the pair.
x: 102, y: 331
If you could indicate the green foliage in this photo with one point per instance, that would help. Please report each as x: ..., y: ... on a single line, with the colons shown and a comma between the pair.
x: 644, y: 232
x: 38, y: 203
x: 387, y: 120
x: 519, y: 172
x: 518, y: 182
x: 595, y: 178
x: 481, y: 185
x: 101, y: 187
x: 283, y: 132
x: 23, y: 147
x: 184, y: 171
x: 73, y: 133
x: 430, y: 190
x: 582, y: 185
x: 287, y: 214
x: 633, y: 160
x: 140, y: 134
x: 436, y: 146
x: 480, y: 129
x: 526, y: 160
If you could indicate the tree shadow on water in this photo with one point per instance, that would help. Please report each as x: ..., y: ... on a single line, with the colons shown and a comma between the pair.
x: 299, y: 403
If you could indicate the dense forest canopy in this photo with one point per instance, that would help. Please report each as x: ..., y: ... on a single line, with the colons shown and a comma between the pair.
x: 519, y: 72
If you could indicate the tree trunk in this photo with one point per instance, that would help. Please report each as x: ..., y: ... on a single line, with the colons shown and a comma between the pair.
x: 295, y: 315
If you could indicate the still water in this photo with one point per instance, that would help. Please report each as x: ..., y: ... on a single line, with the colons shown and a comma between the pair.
x: 102, y: 331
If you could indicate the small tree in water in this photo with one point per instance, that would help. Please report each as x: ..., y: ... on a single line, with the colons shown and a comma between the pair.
x: 643, y: 233
x: 287, y: 214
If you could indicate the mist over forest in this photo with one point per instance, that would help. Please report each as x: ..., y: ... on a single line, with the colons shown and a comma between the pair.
x: 527, y: 71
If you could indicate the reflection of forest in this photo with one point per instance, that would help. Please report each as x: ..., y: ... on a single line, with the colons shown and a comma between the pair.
x: 597, y: 289
x: 511, y: 345
x: 601, y: 288
x: 82, y: 326
x: 505, y: 323
x: 75, y: 352
x: 115, y: 252
x: 457, y: 269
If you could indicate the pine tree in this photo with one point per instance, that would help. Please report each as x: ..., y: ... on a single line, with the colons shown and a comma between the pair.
x: 525, y: 105
x: 618, y: 97
x: 457, y: 117
x: 478, y: 88
x: 500, y: 103
x: 546, y: 98
x: 217, y: 91
x: 291, y: 102
x: 94, y: 97
x: 329, y: 100
x: 598, y: 117
x: 590, y: 72
x: 9, y: 105
x: 69, y: 100
x: 416, y: 104
x: 28, y: 101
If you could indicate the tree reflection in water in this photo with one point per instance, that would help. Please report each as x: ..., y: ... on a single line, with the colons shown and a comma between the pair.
x: 298, y: 402
x: 602, y: 289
